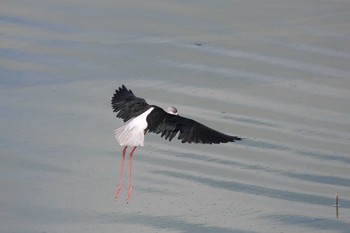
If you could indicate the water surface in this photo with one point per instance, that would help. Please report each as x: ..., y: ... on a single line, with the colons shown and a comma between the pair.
x: 273, y: 72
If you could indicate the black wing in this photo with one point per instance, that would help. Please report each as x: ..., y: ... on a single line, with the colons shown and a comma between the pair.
x: 127, y: 104
x: 190, y: 131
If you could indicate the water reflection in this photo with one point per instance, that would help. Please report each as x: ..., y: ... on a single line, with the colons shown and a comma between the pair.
x: 170, y: 223
x: 255, y: 189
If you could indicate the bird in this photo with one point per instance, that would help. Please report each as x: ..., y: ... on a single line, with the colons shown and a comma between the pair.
x: 141, y: 118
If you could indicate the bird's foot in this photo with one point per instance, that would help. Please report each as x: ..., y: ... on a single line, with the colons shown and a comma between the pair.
x: 117, y: 194
x: 129, y: 195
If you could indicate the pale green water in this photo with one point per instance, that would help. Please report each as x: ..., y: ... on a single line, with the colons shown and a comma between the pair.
x: 274, y: 72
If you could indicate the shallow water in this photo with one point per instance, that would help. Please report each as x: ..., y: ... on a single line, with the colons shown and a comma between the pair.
x: 273, y: 72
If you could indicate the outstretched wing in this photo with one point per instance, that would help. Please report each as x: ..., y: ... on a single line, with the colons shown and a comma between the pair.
x: 190, y: 131
x: 126, y: 104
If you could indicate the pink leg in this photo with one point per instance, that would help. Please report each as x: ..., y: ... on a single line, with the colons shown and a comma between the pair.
x: 130, y: 184
x: 121, y: 175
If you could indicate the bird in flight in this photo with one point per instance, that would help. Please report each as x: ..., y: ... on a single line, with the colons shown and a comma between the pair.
x: 140, y: 118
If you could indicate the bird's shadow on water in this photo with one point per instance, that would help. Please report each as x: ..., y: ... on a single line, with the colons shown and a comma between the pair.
x: 170, y: 223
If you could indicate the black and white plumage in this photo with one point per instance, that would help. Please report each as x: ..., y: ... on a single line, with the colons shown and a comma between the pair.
x: 131, y: 109
x: 140, y: 117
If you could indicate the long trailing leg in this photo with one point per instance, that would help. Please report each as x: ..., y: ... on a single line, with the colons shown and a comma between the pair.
x: 121, y: 175
x: 130, y: 184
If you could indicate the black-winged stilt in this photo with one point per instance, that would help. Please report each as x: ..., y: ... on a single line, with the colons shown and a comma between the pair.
x: 140, y: 118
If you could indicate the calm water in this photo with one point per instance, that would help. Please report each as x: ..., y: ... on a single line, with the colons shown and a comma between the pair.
x: 274, y: 72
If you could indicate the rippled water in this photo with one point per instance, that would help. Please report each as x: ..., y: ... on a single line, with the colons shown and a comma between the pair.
x: 274, y: 72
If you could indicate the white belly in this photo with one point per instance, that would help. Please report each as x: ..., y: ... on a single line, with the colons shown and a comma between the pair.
x: 132, y: 133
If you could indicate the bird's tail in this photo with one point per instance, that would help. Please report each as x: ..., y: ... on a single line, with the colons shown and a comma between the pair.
x: 128, y: 135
